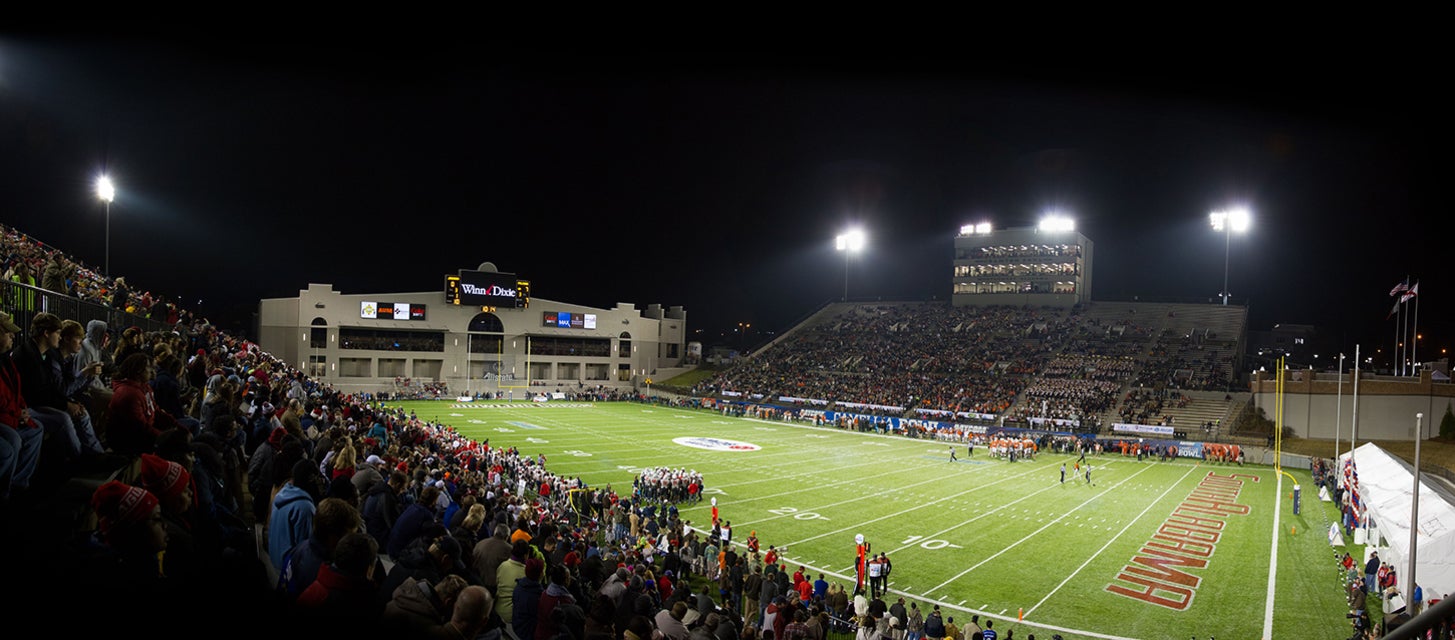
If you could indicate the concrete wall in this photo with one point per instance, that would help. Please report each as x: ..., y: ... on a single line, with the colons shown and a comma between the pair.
x: 1313, y: 407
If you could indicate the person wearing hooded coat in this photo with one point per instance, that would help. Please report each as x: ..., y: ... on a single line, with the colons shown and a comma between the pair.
x: 526, y: 600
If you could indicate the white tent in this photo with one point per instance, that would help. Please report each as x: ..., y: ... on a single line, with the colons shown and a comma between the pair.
x: 1385, y: 485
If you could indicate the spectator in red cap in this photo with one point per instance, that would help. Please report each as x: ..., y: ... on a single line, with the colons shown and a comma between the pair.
x: 129, y: 524
x: 172, y: 485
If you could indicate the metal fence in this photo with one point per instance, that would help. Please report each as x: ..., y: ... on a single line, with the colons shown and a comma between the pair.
x: 24, y: 301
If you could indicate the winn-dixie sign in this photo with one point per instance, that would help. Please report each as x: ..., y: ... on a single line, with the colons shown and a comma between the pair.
x: 1159, y: 574
x: 494, y: 290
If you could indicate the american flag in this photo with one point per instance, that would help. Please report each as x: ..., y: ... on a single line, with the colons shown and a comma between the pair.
x: 1399, y: 288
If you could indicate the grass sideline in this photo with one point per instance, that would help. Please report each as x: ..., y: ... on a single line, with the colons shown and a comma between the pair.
x: 975, y: 536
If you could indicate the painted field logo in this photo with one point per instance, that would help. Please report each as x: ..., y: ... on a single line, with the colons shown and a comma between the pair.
x: 716, y: 444
x: 1187, y: 539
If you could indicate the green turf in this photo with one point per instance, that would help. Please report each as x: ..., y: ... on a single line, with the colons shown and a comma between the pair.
x: 978, y: 535
x: 689, y: 378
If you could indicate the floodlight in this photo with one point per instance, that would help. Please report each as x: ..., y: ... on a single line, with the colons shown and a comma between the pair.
x: 1056, y: 222
x: 105, y: 190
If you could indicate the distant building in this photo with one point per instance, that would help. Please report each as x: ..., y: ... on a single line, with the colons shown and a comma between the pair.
x: 367, y: 341
x: 1028, y: 266
x: 1296, y: 343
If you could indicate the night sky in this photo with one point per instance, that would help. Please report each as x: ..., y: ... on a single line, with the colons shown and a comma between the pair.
x: 717, y: 181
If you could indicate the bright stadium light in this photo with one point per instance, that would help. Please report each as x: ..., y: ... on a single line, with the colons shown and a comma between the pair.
x: 1057, y: 222
x: 849, y: 242
x: 980, y: 228
x: 106, y: 191
x: 1237, y: 219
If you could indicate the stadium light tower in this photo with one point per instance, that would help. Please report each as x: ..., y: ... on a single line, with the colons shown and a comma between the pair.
x: 850, y: 242
x: 1056, y: 222
x: 106, y: 191
x: 1228, y: 222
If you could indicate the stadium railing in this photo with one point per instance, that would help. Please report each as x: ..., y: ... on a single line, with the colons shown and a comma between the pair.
x: 1436, y: 616
x: 24, y: 301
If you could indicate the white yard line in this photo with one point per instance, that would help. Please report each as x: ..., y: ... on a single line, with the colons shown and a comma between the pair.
x: 1037, y: 531
x: 916, y: 507
x: 978, y: 517
x: 853, y: 481
x: 1273, y: 561
x: 1109, y: 542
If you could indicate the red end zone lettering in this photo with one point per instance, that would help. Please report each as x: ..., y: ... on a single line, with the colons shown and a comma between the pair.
x: 1162, y: 595
x: 1186, y: 539
x: 1234, y: 476
x: 1169, y: 530
x: 1181, y: 546
x: 1161, y: 568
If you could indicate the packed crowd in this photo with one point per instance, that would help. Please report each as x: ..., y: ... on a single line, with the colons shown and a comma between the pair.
x: 1018, y: 363
x: 26, y: 261
x: 406, y: 388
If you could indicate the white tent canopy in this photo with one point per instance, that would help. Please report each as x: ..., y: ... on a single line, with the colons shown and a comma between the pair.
x: 1385, y: 485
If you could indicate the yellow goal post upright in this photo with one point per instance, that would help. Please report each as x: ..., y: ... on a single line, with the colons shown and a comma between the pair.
x: 580, y: 501
x: 1278, y: 422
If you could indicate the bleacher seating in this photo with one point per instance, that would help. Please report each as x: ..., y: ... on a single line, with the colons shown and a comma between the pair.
x: 1014, y: 362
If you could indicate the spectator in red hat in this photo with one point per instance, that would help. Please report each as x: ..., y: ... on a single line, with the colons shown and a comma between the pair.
x: 172, y: 485
x: 130, y: 526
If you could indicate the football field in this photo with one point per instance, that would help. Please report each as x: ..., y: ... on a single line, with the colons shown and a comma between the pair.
x: 1145, y: 550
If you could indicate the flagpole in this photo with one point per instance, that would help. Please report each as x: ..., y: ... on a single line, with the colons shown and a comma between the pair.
x: 1338, y: 410
x: 1409, y: 586
x: 1404, y: 338
x: 1415, y: 348
x: 1398, y: 310
x: 1354, y: 432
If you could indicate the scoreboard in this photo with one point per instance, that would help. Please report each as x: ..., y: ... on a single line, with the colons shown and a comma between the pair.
x: 487, y: 289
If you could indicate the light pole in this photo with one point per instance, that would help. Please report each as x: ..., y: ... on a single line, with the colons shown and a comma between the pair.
x: 849, y: 242
x: 106, y: 191
x: 1228, y: 222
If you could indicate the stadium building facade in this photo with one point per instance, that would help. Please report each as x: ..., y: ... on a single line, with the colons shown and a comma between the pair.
x: 1028, y: 266
x: 373, y: 341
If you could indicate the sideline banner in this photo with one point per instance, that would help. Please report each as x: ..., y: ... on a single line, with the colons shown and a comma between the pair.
x: 1189, y: 450
x: 1059, y: 422
x: 1141, y: 428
